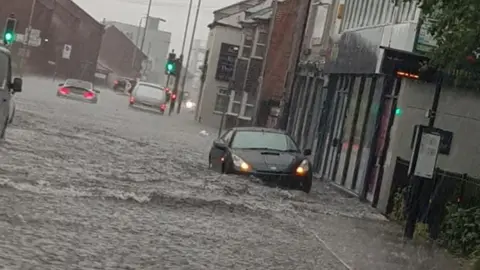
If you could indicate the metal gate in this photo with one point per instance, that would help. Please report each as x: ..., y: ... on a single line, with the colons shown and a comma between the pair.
x: 347, y: 122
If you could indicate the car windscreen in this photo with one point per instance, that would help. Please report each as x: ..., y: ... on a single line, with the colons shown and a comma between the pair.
x: 79, y: 84
x: 263, y: 140
x: 150, y: 91
x: 4, y: 59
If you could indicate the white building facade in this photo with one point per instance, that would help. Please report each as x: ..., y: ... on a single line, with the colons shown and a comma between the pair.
x: 156, y: 46
x: 216, y: 98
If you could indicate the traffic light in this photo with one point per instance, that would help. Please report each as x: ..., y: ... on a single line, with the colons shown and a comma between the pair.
x: 9, y: 31
x: 171, y: 66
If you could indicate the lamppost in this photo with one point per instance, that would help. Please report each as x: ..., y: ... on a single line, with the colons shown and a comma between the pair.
x: 184, y: 79
x: 27, y: 38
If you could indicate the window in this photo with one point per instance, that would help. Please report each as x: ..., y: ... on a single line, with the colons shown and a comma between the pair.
x: 262, y: 38
x: 247, y: 42
x: 260, y: 47
x: 238, y: 96
x: 246, y: 52
x: 223, y: 98
x: 227, y: 136
x: 263, y: 140
x: 236, y: 107
x: 78, y: 83
x: 4, y: 71
x: 249, y: 111
x: 150, y: 91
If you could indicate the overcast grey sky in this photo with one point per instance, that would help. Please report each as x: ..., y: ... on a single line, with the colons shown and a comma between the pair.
x: 174, y: 11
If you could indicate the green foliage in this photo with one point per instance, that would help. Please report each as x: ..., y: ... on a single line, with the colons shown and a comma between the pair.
x: 461, y: 230
x: 421, y: 231
x: 455, y: 25
x: 397, y: 213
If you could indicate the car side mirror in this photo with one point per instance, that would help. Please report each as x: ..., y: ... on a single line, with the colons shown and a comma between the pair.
x: 307, y: 152
x: 60, y: 84
x: 17, y: 85
x: 219, y: 144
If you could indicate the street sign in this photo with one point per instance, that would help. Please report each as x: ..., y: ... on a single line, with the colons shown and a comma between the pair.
x: 34, y: 33
x: 33, y: 42
x: 67, y: 51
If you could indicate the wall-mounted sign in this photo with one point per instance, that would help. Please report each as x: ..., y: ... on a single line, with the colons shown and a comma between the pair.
x: 226, y: 62
x: 446, y: 138
x: 424, y: 42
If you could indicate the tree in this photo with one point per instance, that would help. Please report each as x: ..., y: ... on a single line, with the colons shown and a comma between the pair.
x: 456, y: 28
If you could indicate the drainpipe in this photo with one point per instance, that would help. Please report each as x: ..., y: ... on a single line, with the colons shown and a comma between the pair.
x: 264, y: 64
x: 289, y: 85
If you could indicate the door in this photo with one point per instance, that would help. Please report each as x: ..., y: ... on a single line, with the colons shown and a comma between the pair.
x: 216, y: 154
x: 5, y: 80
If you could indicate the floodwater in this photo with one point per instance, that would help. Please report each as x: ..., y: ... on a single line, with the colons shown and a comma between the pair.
x: 86, y: 186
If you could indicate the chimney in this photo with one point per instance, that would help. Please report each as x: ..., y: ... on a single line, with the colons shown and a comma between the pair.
x: 152, y: 23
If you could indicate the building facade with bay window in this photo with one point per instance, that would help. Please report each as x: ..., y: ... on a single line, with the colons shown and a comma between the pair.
x: 217, y: 96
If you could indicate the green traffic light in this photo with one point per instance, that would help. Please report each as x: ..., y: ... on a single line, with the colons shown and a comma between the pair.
x: 398, y: 111
x: 169, y: 67
x: 9, y: 37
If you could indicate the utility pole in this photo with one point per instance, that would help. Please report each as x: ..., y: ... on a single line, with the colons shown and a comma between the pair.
x: 180, y: 59
x: 184, y: 79
x: 26, y: 43
x: 175, y: 86
x: 146, y: 24
x: 136, y: 42
x: 421, y: 191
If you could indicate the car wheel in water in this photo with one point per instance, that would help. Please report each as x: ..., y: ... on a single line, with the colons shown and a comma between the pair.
x: 226, y: 167
x: 10, y: 121
x: 4, y: 130
x: 307, y: 185
x: 210, y: 165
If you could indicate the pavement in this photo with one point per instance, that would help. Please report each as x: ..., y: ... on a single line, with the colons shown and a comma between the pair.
x: 99, y: 186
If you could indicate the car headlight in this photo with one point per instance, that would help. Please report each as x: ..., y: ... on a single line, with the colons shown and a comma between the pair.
x: 303, y: 168
x: 189, y: 104
x: 240, y: 164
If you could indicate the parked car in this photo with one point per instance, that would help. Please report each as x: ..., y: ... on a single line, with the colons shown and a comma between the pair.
x: 78, y: 90
x: 124, y: 85
x: 269, y: 154
x: 8, y: 87
x: 148, y: 96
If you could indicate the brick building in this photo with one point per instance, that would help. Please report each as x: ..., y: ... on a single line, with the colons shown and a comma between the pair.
x: 119, y: 54
x: 268, y: 34
x: 285, y: 37
x: 60, y: 22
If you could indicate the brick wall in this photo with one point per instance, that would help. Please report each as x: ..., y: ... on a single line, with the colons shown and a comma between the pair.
x: 284, y: 43
x: 61, y: 22
x: 118, y: 51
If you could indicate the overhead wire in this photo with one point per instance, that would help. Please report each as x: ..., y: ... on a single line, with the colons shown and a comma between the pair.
x: 166, y: 4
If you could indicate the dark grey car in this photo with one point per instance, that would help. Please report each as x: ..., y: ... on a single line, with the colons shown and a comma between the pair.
x: 148, y: 96
x: 78, y: 90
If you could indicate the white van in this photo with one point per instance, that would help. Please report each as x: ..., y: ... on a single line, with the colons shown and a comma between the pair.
x: 8, y: 86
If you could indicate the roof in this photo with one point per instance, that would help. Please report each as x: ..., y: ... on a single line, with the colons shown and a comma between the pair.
x: 235, y: 8
x: 150, y: 84
x: 259, y: 129
x: 263, y: 11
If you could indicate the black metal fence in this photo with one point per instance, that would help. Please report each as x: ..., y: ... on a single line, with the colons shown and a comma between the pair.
x: 447, y: 188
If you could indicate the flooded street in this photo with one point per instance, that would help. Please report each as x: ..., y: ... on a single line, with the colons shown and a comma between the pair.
x: 101, y: 186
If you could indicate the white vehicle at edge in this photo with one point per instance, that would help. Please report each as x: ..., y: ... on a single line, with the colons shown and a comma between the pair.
x: 11, y: 112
